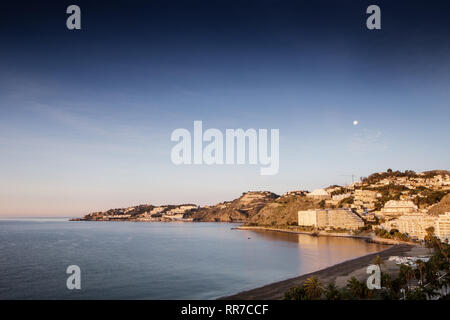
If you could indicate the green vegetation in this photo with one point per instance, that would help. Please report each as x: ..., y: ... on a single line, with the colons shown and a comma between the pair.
x: 340, y: 190
x: 367, y: 228
x: 374, y: 178
x: 393, y: 234
x: 337, y: 230
x: 442, y: 207
x: 322, y: 204
x: 348, y: 200
x: 429, y: 197
x: 311, y: 289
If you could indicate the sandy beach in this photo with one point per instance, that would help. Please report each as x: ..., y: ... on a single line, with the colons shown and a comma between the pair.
x: 339, y: 273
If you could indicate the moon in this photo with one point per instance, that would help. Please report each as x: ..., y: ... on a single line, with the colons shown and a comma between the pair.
x: 355, y: 123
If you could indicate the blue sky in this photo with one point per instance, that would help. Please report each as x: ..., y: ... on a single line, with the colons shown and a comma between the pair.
x: 86, y: 116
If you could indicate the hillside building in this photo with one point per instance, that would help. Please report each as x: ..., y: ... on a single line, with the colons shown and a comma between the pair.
x: 414, y: 224
x: 365, y: 195
x: 319, y: 194
x: 395, y: 208
x: 442, y: 229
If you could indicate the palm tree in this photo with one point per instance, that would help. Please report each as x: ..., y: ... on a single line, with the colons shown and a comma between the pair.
x: 421, y: 267
x: 295, y: 293
x: 406, y: 273
x: 386, y: 281
x: 430, y: 239
x: 313, y: 288
x: 332, y: 292
x: 356, y: 288
x: 416, y: 294
x: 378, y: 261
x: 409, y: 274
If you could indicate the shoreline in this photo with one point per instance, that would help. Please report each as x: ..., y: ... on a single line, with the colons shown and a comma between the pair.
x: 276, y: 290
x: 367, y: 238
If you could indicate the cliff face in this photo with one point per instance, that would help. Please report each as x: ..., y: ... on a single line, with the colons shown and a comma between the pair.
x: 240, y: 209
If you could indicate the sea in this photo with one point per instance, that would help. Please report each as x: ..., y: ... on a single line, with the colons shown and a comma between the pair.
x: 157, y: 260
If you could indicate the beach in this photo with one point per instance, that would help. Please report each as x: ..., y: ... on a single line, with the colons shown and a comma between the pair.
x: 336, y: 273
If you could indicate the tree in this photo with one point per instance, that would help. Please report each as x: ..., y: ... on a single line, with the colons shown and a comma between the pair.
x: 416, y: 294
x: 406, y: 274
x: 332, y: 292
x: 421, y: 269
x: 378, y: 261
x: 322, y: 204
x: 356, y: 288
x: 295, y: 293
x: 313, y: 288
x: 386, y: 281
x: 429, y: 237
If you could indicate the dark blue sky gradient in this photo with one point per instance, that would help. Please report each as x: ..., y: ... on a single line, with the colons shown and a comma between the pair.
x: 86, y: 116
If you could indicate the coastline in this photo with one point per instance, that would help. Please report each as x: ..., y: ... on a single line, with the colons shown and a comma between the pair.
x: 276, y: 291
x: 368, y: 238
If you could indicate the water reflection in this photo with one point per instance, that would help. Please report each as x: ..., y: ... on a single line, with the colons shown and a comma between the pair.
x: 320, y: 252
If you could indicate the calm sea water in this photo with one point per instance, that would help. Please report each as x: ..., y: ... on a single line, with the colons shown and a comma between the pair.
x: 126, y: 260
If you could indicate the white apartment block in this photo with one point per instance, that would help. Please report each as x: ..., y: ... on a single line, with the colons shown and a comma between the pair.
x: 442, y: 228
x: 336, y: 218
x: 398, y: 208
x: 415, y: 224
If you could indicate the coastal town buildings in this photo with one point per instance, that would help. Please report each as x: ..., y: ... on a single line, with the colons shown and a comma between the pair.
x: 335, y: 199
x: 294, y: 193
x: 395, y: 208
x: 365, y: 195
x: 442, y: 228
x: 436, y: 182
x: 341, y: 196
x: 319, y: 194
x: 414, y: 224
x: 333, y: 218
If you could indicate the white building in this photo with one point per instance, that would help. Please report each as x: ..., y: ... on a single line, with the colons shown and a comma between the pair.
x: 320, y: 194
x: 398, y: 207
x: 442, y: 229
x: 336, y: 218
x: 414, y: 224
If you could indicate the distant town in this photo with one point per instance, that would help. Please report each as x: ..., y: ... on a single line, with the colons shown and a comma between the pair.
x: 392, y: 205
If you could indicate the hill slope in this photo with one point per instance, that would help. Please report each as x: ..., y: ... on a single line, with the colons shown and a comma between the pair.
x: 442, y: 207
x: 284, y: 210
x: 240, y: 209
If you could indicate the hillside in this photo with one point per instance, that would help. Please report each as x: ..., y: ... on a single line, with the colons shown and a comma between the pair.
x: 145, y: 212
x: 428, y: 191
x: 284, y: 210
x: 240, y: 209
x: 440, y: 208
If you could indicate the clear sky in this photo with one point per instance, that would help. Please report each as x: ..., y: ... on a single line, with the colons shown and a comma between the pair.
x: 86, y: 116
